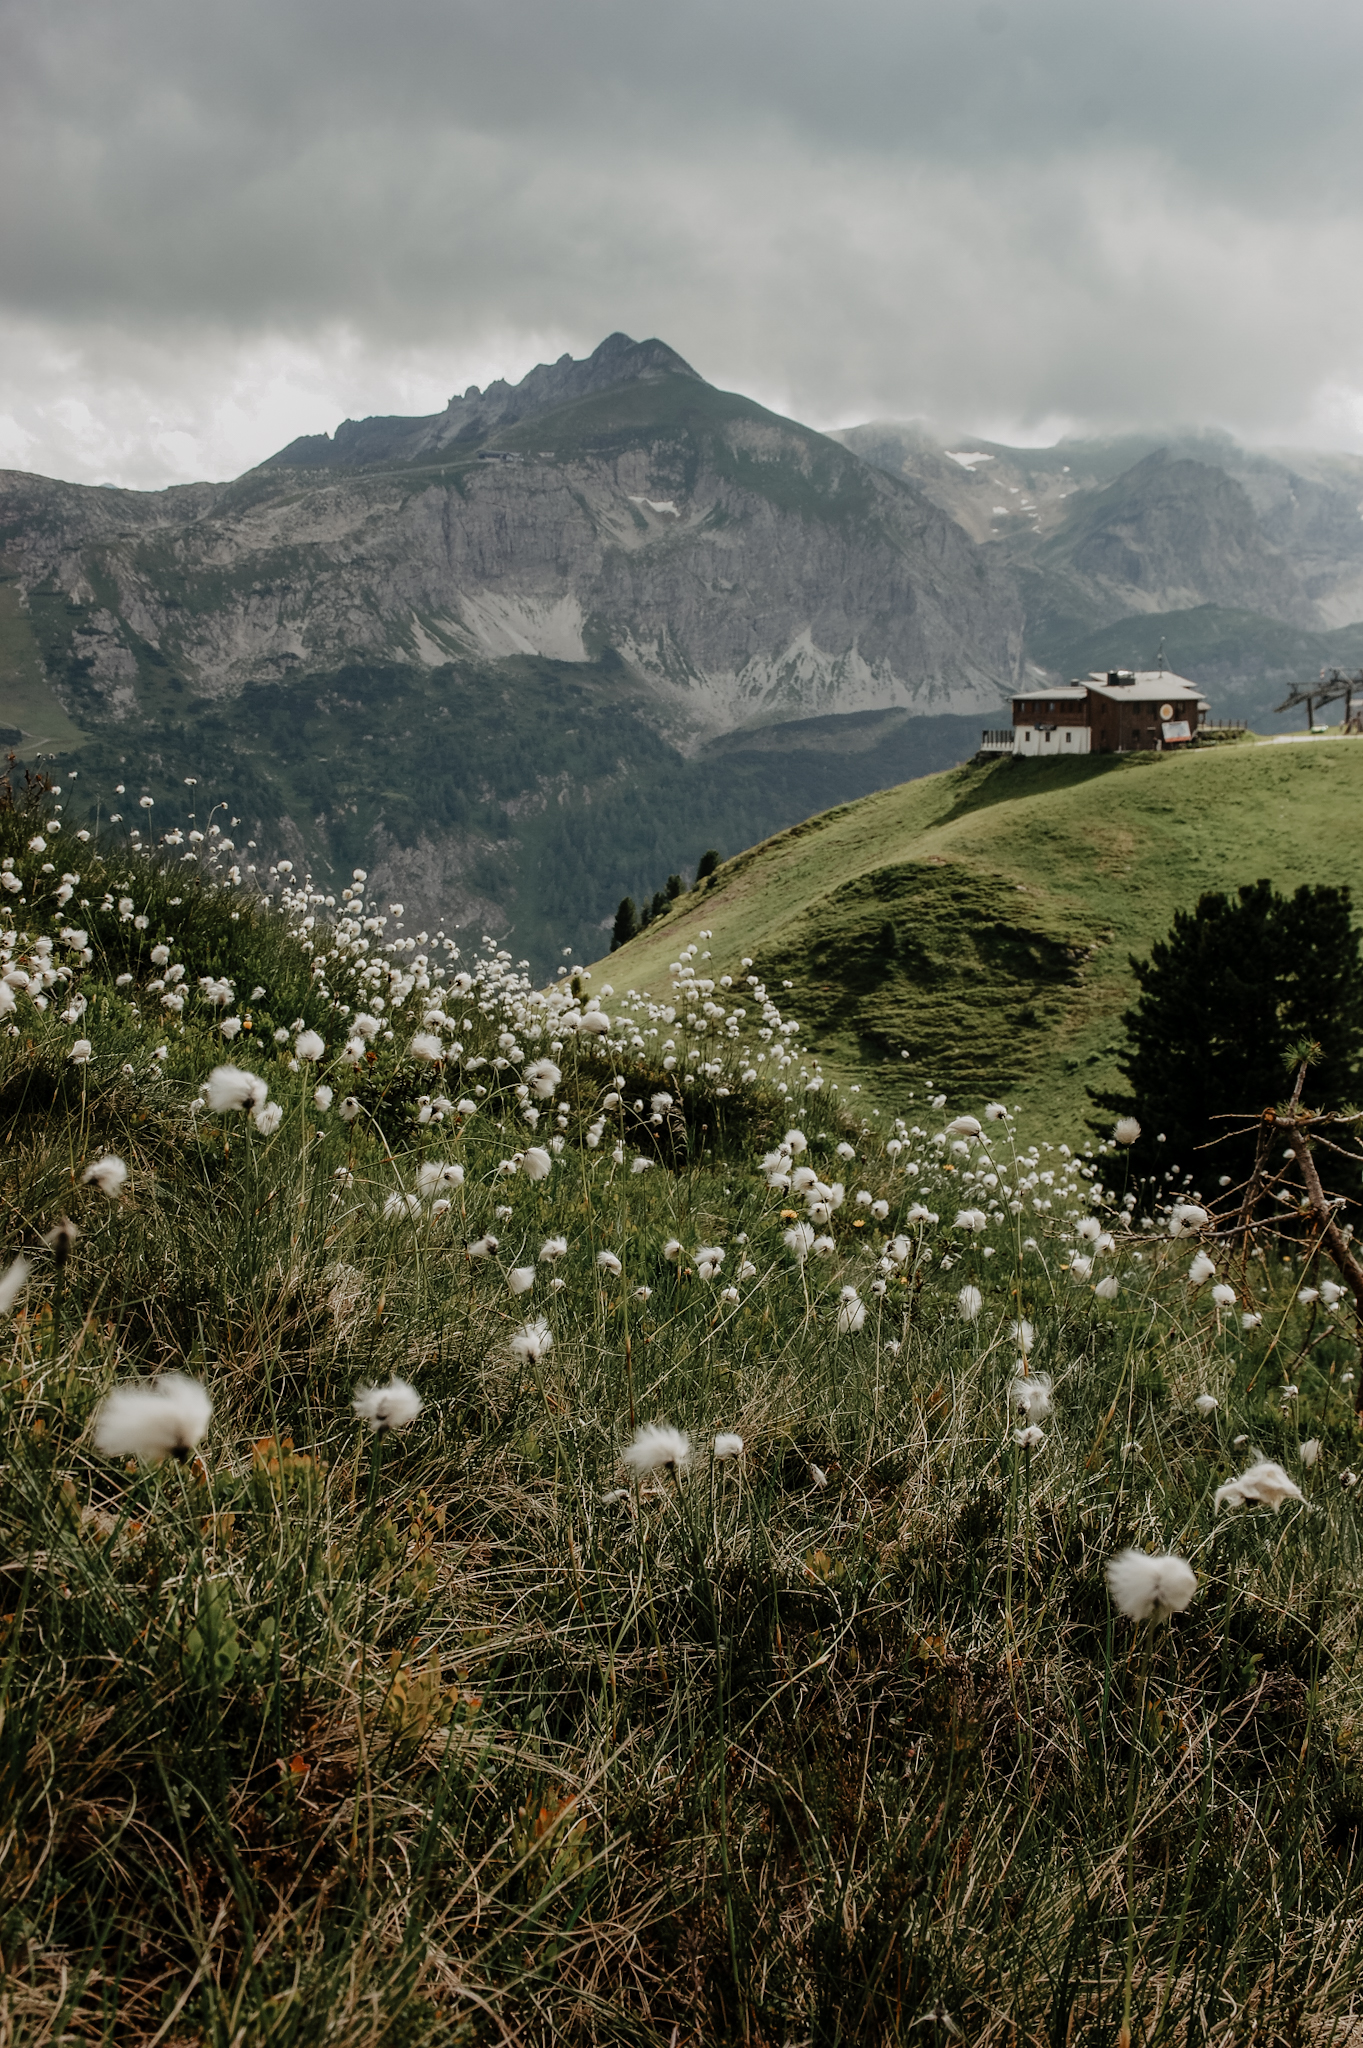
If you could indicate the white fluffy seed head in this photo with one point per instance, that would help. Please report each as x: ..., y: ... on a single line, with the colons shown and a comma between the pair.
x: 521, y: 1279
x: 728, y: 1445
x: 533, y: 1342
x: 13, y: 1282
x: 392, y: 1407
x: 165, y: 1418
x: 1264, y: 1484
x: 1030, y: 1394
x: 654, y: 1446
x: 109, y: 1174
x: 1150, y: 1587
x: 232, y: 1088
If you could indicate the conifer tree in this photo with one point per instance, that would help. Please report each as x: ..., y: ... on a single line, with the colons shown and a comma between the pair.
x: 626, y: 923
x: 1237, y: 982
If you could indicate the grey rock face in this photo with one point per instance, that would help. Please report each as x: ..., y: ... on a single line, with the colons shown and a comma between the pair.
x: 742, y: 568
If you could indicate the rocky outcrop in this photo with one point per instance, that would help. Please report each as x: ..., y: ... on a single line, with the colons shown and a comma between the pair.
x: 742, y: 568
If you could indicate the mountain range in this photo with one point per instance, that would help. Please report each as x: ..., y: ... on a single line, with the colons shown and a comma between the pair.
x: 549, y: 644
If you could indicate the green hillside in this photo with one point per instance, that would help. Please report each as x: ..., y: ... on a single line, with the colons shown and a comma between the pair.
x: 982, y: 920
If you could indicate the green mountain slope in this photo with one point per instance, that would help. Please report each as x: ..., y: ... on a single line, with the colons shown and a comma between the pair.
x: 982, y: 920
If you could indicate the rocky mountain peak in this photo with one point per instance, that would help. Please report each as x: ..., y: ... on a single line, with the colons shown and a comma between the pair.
x: 469, y: 419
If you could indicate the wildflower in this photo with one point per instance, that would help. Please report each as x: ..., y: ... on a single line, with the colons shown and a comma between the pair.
x: 165, y: 1419
x: 614, y: 1496
x: 465, y: 1107
x: 1080, y: 1266
x: 1331, y: 1292
x: 230, y: 1026
x: 1030, y: 1394
x: 1146, y: 1588
x: 1185, y: 1217
x: 536, y: 1163
x: 554, y: 1248
x: 846, y: 1151
x: 543, y: 1077
x: 645, y: 1294
x: 1309, y: 1452
x: 880, y: 1210
x: 521, y: 1279
x: 728, y: 1446
x: 533, y: 1341
x: 851, y: 1313
x: 482, y: 1247
x: 109, y: 1174
x: 322, y: 1097
x: 425, y: 1045
x: 81, y: 1052
x: 350, y: 1108
x: 392, y: 1407
x: 1088, y: 1227
x: 823, y: 1247
x: 1108, y: 1289
x: 1126, y: 1130
x: 431, y: 1175
x: 660, y: 1103
x: 1206, y: 1404
x: 655, y: 1445
x: 709, y: 1259
x: 608, y: 1263
x: 799, y: 1239
x: 971, y: 1219
x: 1348, y: 1478
x: 970, y: 1302
x: 729, y: 1294
x: 13, y: 1281
x: 1249, y: 1321
x: 159, y: 956
x: 230, y: 1088
x: 1023, y: 1335
x: 1201, y: 1270
x: 1306, y: 1295
x: 795, y: 1142
x: 1031, y: 1438
x: 640, y: 1164
x: 818, y: 1475
x: 400, y: 1208
x: 964, y: 1127
x: 1264, y: 1483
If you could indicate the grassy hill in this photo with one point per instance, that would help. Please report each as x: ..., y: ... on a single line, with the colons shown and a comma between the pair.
x: 510, y: 1722
x: 982, y: 920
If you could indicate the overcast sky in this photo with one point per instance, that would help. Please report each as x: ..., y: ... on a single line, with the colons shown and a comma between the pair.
x: 226, y: 225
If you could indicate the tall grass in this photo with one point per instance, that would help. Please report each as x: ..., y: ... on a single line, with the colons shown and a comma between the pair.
x: 459, y: 1734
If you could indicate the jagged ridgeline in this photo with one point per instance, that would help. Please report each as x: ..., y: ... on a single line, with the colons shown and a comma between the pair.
x: 510, y: 658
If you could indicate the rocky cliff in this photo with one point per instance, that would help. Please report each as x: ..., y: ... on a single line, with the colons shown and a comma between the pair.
x: 628, y: 563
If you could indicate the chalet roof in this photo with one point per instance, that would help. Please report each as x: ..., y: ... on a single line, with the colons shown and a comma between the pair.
x: 1145, y: 686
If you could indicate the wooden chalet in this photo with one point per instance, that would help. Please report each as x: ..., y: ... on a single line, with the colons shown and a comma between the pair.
x: 1113, y: 711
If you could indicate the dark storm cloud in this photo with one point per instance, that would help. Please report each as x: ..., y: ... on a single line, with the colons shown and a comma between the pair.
x: 993, y: 213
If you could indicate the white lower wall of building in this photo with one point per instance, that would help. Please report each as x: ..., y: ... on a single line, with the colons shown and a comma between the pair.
x: 1051, y: 740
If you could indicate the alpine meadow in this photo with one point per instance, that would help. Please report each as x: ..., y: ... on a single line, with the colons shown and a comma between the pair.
x: 531, y: 1514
